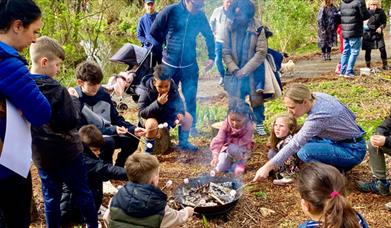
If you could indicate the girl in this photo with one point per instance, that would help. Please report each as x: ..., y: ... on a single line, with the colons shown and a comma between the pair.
x: 327, y: 28
x: 322, y: 191
x: 283, y: 128
x: 373, y: 37
x: 232, y: 145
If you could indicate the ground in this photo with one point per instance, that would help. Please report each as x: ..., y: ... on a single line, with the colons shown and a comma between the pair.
x: 264, y: 204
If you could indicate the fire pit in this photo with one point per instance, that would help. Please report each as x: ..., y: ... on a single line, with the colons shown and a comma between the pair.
x: 210, y: 196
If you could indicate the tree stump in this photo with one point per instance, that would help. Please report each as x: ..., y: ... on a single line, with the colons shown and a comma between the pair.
x: 215, y: 128
x: 162, y: 142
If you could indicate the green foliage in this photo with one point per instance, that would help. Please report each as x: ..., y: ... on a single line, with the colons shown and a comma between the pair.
x: 261, y: 194
x: 205, y: 222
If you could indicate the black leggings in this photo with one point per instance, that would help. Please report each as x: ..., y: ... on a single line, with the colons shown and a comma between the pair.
x: 326, y: 49
x: 383, y: 54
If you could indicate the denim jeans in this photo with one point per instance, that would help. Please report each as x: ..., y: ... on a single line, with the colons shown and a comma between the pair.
x: 343, y: 156
x: 127, y: 145
x: 74, y: 175
x: 350, y: 53
x: 377, y: 160
x: 219, y: 58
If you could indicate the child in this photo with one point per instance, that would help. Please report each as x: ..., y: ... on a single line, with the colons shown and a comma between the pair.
x: 327, y: 27
x: 98, y: 172
x: 322, y: 191
x: 56, y: 146
x: 378, y: 146
x: 140, y: 203
x: 160, y: 102
x: 19, y: 25
x: 373, y: 37
x: 283, y: 128
x: 98, y: 109
x: 234, y: 141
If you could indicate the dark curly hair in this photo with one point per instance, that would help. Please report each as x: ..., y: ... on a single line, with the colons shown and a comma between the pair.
x: 240, y: 106
x: 89, y: 72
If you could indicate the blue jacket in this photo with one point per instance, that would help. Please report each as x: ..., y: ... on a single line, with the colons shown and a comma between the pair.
x: 316, y: 224
x: 149, y: 107
x: 17, y: 87
x: 143, y: 28
x: 178, y: 28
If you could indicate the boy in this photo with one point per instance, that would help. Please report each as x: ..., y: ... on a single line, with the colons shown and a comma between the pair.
x: 140, y: 202
x: 379, y: 145
x: 56, y: 146
x: 160, y: 102
x: 98, y: 109
x: 98, y: 172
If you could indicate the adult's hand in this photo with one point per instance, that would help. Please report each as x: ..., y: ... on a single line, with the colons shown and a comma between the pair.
x: 378, y: 140
x: 139, y: 131
x: 239, y: 73
x: 209, y: 64
x: 263, y: 172
x: 72, y: 91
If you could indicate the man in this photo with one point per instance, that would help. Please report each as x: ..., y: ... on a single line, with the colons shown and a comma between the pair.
x: 144, y: 27
x: 177, y: 26
x: 217, y: 22
x: 353, y: 14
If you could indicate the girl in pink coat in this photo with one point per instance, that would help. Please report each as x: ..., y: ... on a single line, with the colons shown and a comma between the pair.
x: 232, y: 145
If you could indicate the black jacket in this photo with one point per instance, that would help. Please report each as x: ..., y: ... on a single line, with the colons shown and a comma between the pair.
x: 98, y: 172
x: 56, y: 143
x: 385, y: 129
x: 353, y: 13
x: 178, y: 28
x: 372, y: 39
x: 150, y: 108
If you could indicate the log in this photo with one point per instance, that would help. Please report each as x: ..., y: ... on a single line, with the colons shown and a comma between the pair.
x: 162, y: 142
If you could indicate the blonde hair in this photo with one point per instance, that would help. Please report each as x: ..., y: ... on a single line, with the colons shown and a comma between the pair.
x: 46, y: 47
x: 298, y: 93
x: 292, y: 126
x: 140, y: 167
x: 374, y: 2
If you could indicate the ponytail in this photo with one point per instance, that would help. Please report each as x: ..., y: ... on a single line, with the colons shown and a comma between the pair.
x: 339, y: 213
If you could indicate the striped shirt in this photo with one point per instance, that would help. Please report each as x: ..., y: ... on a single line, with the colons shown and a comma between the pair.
x: 328, y: 119
x: 314, y: 224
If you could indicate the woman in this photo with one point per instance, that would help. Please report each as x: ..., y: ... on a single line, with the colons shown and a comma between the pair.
x: 244, y: 52
x: 327, y: 28
x: 329, y: 134
x: 19, y: 25
x: 373, y: 33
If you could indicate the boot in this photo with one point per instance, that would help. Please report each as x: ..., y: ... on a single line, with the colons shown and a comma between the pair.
x: 324, y: 56
x: 149, y: 145
x: 184, y: 144
x: 385, y: 64
x: 328, y: 56
x: 368, y: 64
x: 377, y: 186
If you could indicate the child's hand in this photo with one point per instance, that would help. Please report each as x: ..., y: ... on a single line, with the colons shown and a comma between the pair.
x: 72, y: 91
x: 162, y: 98
x: 179, y: 118
x: 214, y: 161
x: 190, y: 211
x: 378, y: 140
x: 121, y: 130
x: 138, y: 131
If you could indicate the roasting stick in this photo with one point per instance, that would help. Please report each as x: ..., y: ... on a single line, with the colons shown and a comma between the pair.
x: 160, y: 126
x: 149, y: 145
x: 168, y: 184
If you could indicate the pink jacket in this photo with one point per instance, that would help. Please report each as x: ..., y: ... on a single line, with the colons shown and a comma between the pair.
x: 227, y: 135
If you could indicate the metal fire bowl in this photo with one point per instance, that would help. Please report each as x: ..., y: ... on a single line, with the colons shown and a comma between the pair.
x: 212, y: 211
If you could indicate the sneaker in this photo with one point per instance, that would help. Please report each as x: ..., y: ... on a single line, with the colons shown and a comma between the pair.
x: 194, y: 132
x: 260, y: 129
x: 388, y: 206
x: 283, y: 181
x: 375, y: 186
x: 221, y: 81
x: 101, y: 212
x: 187, y: 147
x: 350, y: 76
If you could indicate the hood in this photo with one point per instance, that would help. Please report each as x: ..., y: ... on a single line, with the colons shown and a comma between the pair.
x: 347, y: 1
x: 140, y: 200
x: 146, y: 85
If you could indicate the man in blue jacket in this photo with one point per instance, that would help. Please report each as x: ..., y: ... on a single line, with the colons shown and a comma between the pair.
x: 144, y: 27
x: 177, y: 26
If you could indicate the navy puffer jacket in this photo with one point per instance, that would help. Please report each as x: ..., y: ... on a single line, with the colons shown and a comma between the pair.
x: 353, y: 13
x: 178, y: 29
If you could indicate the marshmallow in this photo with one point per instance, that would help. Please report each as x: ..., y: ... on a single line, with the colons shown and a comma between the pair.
x: 232, y: 193
x: 212, y: 173
x: 149, y: 145
x: 165, y: 124
x: 169, y: 183
x: 160, y: 126
x: 186, y: 181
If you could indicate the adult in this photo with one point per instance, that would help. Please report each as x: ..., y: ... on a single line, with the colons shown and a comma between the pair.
x: 244, y: 52
x: 373, y: 33
x: 327, y: 28
x: 19, y: 25
x: 178, y: 26
x: 143, y: 31
x: 329, y: 135
x: 218, y: 22
x: 353, y: 14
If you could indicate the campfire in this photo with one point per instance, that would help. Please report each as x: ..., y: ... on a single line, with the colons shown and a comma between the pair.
x: 209, y: 195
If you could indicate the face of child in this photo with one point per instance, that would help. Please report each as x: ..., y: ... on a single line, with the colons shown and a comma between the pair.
x: 281, y: 128
x: 90, y: 89
x: 51, y: 67
x: 236, y: 120
x: 372, y: 6
x: 162, y: 86
x: 95, y: 150
x: 149, y: 7
x: 25, y: 35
